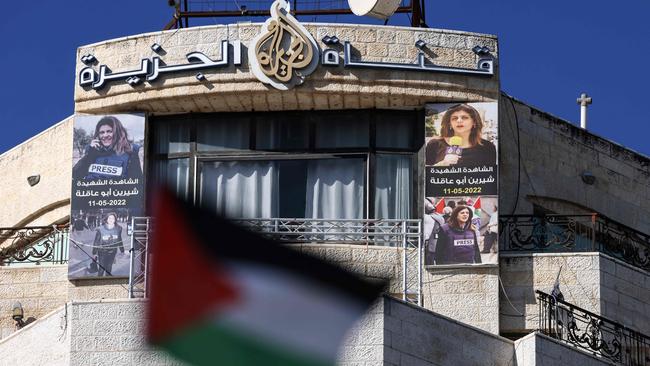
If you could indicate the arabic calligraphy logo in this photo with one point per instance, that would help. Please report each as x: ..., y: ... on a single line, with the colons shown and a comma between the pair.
x: 284, y: 52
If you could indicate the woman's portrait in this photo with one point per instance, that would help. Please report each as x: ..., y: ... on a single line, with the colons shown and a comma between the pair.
x: 460, y: 140
x: 458, y: 239
x: 108, y: 239
x: 109, y: 153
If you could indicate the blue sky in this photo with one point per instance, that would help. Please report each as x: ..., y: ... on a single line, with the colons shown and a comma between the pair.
x: 550, y: 52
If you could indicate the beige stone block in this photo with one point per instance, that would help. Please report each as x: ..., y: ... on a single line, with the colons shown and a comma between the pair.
x: 432, y: 39
x: 397, y: 51
x: 274, y: 100
x: 335, y: 101
x: 367, y: 101
x: 289, y: 100
x: 248, y: 32
x: 259, y: 102
x: 365, y: 35
x: 213, y: 35
x: 305, y: 100
x: 377, y: 49
x: 321, y: 101
x: 405, y: 38
x: 351, y: 102
x: 386, y: 35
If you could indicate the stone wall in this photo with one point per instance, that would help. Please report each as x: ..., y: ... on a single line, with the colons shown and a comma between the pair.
x: 415, y: 336
x: 625, y: 294
x: 367, y: 260
x: 523, y: 274
x: 364, y: 344
x: 443, y: 289
x: 111, y: 333
x: 236, y: 89
x: 553, y: 154
x: 46, y: 342
x: 391, y: 333
x: 592, y: 281
x: 40, y: 290
x: 537, y: 349
x: 468, y: 294
x: 398, y: 333
x: 50, y: 155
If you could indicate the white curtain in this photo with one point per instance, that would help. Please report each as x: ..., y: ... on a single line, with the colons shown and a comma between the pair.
x: 335, y: 189
x: 175, y: 174
x: 240, y: 189
x: 393, y: 187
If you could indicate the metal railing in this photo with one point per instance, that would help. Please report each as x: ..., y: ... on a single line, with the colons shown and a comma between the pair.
x: 139, y: 256
x: 394, y: 233
x: 593, y: 333
x: 34, y: 245
x: 46, y: 244
x: 575, y: 233
x: 404, y: 234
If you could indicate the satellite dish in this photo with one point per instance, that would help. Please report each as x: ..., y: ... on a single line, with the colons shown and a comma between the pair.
x: 381, y: 9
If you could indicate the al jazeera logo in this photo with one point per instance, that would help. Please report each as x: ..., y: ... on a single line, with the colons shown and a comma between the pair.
x: 284, y: 52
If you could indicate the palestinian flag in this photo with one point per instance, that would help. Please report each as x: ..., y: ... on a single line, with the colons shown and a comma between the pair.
x: 477, y: 204
x: 221, y: 295
x: 477, y: 207
x: 440, y: 206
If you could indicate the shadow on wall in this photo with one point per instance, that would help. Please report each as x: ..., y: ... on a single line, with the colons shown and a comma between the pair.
x: 517, y: 303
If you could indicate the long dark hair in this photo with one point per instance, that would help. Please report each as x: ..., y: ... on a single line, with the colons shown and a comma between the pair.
x: 477, y: 127
x: 453, y: 219
x: 121, y: 143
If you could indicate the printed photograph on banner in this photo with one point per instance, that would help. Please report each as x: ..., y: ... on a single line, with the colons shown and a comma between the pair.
x: 461, y: 153
x: 461, y: 230
x: 107, y: 190
x: 99, y: 243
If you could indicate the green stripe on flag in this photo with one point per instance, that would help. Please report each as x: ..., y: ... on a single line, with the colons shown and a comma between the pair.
x: 211, y: 344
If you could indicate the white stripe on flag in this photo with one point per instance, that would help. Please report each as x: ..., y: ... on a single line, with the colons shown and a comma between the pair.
x: 288, y: 311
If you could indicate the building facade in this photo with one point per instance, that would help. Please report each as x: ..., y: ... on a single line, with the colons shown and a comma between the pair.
x: 342, y: 143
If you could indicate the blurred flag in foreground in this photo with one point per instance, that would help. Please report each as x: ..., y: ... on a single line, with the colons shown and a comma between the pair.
x: 221, y: 295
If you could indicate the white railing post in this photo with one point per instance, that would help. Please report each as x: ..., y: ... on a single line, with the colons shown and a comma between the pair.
x: 420, y: 249
x: 132, y: 259
x: 404, y: 263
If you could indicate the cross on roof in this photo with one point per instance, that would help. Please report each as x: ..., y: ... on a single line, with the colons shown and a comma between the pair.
x: 584, y: 100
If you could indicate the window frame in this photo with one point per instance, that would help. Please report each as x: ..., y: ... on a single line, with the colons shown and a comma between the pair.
x: 311, y: 117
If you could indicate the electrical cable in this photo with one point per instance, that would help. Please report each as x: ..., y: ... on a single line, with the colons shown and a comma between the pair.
x: 88, y: 255
x: 514, y: 110
x: 520, y: 314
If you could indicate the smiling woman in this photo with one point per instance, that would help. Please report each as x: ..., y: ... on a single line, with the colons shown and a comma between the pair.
x: 110, y: 154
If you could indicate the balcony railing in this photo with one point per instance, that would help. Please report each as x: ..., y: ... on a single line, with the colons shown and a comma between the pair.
x: 404, y: 234
x: 575, y: 233
x: 34, y: 245
x: 394, y: 233
x: 593, y: 333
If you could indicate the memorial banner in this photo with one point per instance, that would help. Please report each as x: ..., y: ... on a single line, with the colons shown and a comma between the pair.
x: 461, y: 196
x: 107, y: 191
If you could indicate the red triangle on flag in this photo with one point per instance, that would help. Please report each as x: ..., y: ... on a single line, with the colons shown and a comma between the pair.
x: 187, y: 285
x: 440, y: 206
x: 477, y: 204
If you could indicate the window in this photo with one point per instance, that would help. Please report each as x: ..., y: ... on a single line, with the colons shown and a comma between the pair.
x: 329, y: 165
